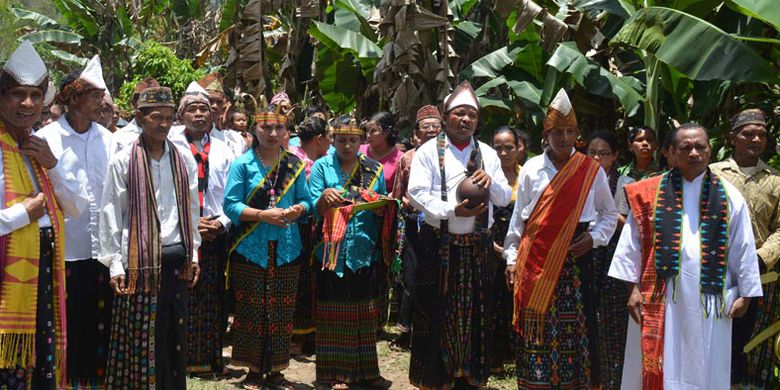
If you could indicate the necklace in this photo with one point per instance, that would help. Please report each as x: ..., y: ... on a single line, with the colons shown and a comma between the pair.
x: 272, y: 192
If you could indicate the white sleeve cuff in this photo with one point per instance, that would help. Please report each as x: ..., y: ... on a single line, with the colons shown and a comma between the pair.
x: 17, y: 216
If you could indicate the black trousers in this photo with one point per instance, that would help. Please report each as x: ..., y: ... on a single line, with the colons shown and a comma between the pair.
x: 171, y: 324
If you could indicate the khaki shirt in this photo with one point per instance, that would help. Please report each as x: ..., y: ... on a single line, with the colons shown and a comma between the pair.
x: 762, y: 193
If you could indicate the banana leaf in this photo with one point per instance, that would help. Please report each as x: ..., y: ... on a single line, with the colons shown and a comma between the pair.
x: 490, y: 64
x: 59, y: 36
x: 766, y: 10
x: 230, y: 10
x: 694, y: 47
x: 597, y: 80
x: 65, y: 56
x: 41, y: 20
x: 340, y: 37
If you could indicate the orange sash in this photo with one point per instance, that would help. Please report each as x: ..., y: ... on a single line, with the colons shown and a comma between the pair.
x: 545, y: 243
x: 642, y: 199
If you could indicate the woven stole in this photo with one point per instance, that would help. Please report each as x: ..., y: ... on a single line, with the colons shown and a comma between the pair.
x: 202, y: 158
x: 545, y: 243
x: 657, y: 202
x: 289, y: 167
x: 19, y: 262
x: 144, y: 241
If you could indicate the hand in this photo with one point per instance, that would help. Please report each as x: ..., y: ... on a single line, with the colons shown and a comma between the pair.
x: 581, y: 244
x: 275, y: 216
x: 331, y: 197
x: 35, y: 206
x: 209, y: 228
x: 117, y: 284
x: 509, y: 273
x: 739, y: 307
x: 195, y: 268
x: 294, y: 212
x: 38, y: 148
x: 247, y: 139
x: 481, y: 178
x: 635, y: 304
x: 462, y: 211
x: 498, y: 248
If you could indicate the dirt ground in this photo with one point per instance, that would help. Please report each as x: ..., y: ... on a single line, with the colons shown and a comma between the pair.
x: 393, y: 365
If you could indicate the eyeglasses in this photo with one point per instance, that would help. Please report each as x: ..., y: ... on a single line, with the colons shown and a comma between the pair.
x: 599, y: 153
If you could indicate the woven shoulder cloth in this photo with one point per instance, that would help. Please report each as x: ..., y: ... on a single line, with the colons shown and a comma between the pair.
x: 19, y: 262
x: 545, y: 243
x: 286, y: 169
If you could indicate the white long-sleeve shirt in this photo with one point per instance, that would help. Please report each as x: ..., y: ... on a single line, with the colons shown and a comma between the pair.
x: 220, y: 158
x: 68, y: 190
x: 123, y: 137
x: 534, y: 178
x: 425, y: 183
x: 697, y: 348
x: 91, y: 151
x: 114, y: 213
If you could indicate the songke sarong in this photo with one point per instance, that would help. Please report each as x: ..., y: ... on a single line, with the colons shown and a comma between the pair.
x: 304, y: 321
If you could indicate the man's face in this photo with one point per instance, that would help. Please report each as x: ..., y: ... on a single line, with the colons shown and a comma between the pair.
x: 106, y: 116
x: 461, y: 123
x: 691, y: 151
x: 197, y: 117
x: 156, y: 123
x: 218, y: 102
x: 428, y: 128
x: 561, y: 139
x: 89, y: 104
x: 270, y: 135
x: 749, y: 141
x: 347, y: 146
x: 21, y: 106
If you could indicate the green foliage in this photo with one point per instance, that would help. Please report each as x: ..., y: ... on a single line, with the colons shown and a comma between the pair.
x: 160, y: 62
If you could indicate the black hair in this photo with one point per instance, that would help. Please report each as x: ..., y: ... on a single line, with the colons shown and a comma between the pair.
x: 7, y: 82
x: 387, y: 121
x: 407, y: 143
x: 671, y: 138
x: 70, y: 78
x: 605, y: 136
x: 508, y: 130
x: 312, y: 127
x: 311, y: 110
x: 633, y: 132
x: 523, y: 138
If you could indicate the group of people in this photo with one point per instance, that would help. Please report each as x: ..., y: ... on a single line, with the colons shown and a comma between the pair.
x: 123, y: 252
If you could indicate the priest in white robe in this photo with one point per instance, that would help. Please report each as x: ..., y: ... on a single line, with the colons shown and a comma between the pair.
x: 689, y: 276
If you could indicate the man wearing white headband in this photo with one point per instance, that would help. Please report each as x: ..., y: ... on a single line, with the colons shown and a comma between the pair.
x: 455, y: 180
x: 89, y: 296
x: 37, y: 191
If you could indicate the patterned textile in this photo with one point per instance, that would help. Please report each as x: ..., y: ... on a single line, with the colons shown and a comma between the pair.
x: 347, y: 314
x: 202, y: 158
x: 20, y: 265
x: 453, y: 332
x: 89, y: 323
x: 562, y: 359
x: 504, y: 339
x: 714, y: 236
x: 545, y: 243
x: 763, y: 366
x: 305, y: 302
x: 265, y: 302
x: 144, y: 242
x: 43, y: 375
x: 148, y: 347
x: 205, y: 326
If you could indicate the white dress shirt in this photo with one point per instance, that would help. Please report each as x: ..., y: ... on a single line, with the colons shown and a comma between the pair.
x: 533, y: 180
x: 220, y: 158
x: 68, y: 190
x: 91, y: 150
x: 114, y: 213
x: 236, y: 142
x: 124, y: 137
x: 425, y: 183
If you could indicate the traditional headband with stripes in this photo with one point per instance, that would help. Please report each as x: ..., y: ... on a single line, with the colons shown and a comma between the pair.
x: 270, y: 117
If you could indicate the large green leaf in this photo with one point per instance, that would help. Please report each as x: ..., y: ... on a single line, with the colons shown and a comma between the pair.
x: 65, y: 56
x: 361, y: 11
x: 766, y: 10
x: 693, y: 46
x: 39, y: 19
x: 490, y: 64
x: 620, y: 8
x: 229, y: 14
x: 597, y: 80
x: 80, y: 16
x: 49, y: 36
x: 338, y: 37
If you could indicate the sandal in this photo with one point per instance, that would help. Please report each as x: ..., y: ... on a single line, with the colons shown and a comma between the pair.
x: 278, y: 381
x: 253, y: 381
x: 339, y: 385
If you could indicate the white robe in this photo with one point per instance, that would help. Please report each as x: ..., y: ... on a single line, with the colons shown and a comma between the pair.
x: 697, y: 350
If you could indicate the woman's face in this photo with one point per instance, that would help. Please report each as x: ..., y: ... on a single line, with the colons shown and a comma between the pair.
x: 347, y: 146
x: 644, y: 145
x: 600, y: 150
x: 508, y: 152
x: 375, y: 136
x: 270, y: 135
